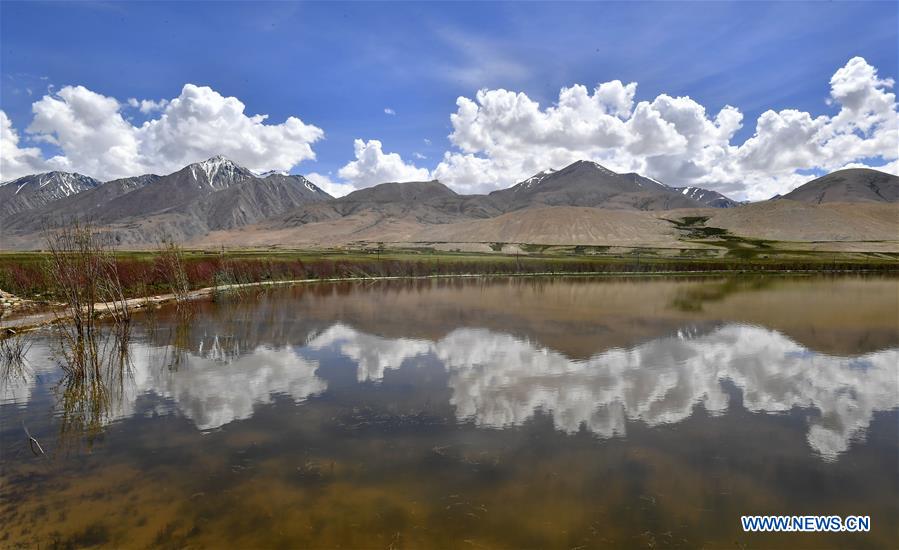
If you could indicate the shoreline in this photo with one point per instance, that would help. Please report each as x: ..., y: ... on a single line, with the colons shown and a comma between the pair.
x: 49, y: 316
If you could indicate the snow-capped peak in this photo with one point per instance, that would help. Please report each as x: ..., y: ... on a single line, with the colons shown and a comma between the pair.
x: 695, y: 192
x: 600, y: 167
x: 536, y: 178
x: 64, y: 183
x: 49, y: 186
x: 268, y: 173
x: 219, y: 172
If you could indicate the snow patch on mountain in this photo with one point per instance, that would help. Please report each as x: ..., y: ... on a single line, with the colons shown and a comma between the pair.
x: 268, y: 173
x: 219, y: 172
x: 535, y: 179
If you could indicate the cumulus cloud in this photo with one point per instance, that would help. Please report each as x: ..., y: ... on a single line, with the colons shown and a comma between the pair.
x: 373, y: 166
x: 89, y: 130
x: 94, y: 138
x: 328, y: 185
x: 16, y: 161
x: 498, y: 138
x: 147, y: 106
x: 201, y: 123
x: 502, y: 137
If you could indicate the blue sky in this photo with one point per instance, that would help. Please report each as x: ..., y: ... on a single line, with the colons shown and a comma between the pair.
x: 339, y: 65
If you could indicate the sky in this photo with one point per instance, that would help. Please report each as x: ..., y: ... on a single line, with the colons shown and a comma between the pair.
x: 747, y: 98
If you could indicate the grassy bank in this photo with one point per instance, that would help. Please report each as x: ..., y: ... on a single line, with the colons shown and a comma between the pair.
x: 145, y: 273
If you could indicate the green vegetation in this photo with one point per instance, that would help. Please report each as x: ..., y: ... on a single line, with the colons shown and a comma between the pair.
x: 150, y: 272
x: 693, y: 227
x: 693, y: 298
x: 535, y: 248
x: 690, y: 221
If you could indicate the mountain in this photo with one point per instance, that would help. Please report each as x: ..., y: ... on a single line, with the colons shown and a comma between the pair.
x: 82, y: 205
x: 219, y: 202
x: 38, y: 190
x: 420, y: 201
x: 176, y: 190
x: 850, y: 185
x: 257, y: 199
x: 401, y: 192
x: 209, y: 195
x: 707, y: 197
x: 586, y: 183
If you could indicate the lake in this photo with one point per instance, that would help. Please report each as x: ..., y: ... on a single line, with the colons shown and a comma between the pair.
x: 506, y: 412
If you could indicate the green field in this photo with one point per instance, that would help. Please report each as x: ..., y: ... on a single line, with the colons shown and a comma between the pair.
x: 24, y: 273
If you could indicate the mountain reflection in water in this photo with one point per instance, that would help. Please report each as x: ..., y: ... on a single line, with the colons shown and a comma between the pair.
x: 498, y: 380
x: 611, y: 412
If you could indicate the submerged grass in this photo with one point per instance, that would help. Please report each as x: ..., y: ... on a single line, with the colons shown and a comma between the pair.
x: 13, y: 348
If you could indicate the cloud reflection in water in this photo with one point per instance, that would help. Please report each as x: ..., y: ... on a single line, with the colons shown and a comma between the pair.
x: 498, y: 380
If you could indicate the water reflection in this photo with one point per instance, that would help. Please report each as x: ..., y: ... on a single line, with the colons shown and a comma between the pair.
x: 213, y: 389
x: 612, y: 412
x: 498, y: 380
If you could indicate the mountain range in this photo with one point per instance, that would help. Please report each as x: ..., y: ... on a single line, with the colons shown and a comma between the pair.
x: 38, y: 190
x: 201, y: 197
x: 220, y: 202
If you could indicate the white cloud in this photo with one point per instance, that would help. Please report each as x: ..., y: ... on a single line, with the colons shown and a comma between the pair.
x: 467, y: 173
x: 389, y: 111
x: 372, y: 166
x: 889, y: 168
x: 499, y: 138
x: 858, y: 89
x: 329, y: 186
x: 419, y: 156
x: 201, y: 123
x: 16, y: 161
x: 89, y: 129
x: 147, y: 106
x: 502, y: 137
x: 95, y: 139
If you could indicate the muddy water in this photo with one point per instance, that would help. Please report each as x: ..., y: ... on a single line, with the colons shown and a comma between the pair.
x: 480, y: 413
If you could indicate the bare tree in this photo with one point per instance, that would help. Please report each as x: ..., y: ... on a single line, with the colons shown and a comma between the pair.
x: 94, y: 356
x: 83, y: 269
x: 171, y: 267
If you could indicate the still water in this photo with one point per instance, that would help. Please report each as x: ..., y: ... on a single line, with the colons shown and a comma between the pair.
x: 537, y: 413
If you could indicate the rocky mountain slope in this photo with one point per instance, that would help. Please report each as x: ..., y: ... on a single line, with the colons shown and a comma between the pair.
x: 850, y: 185
x: 217, y: 202
x: 421, y: 201
x: 213, y: 194
x: 583, y: 183
x: 586, y: 183
x: 38, y: 190
x: 707, y: 197
x: 79, y: 206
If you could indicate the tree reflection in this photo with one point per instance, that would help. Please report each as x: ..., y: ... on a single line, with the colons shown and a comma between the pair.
x: 96, y: 370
